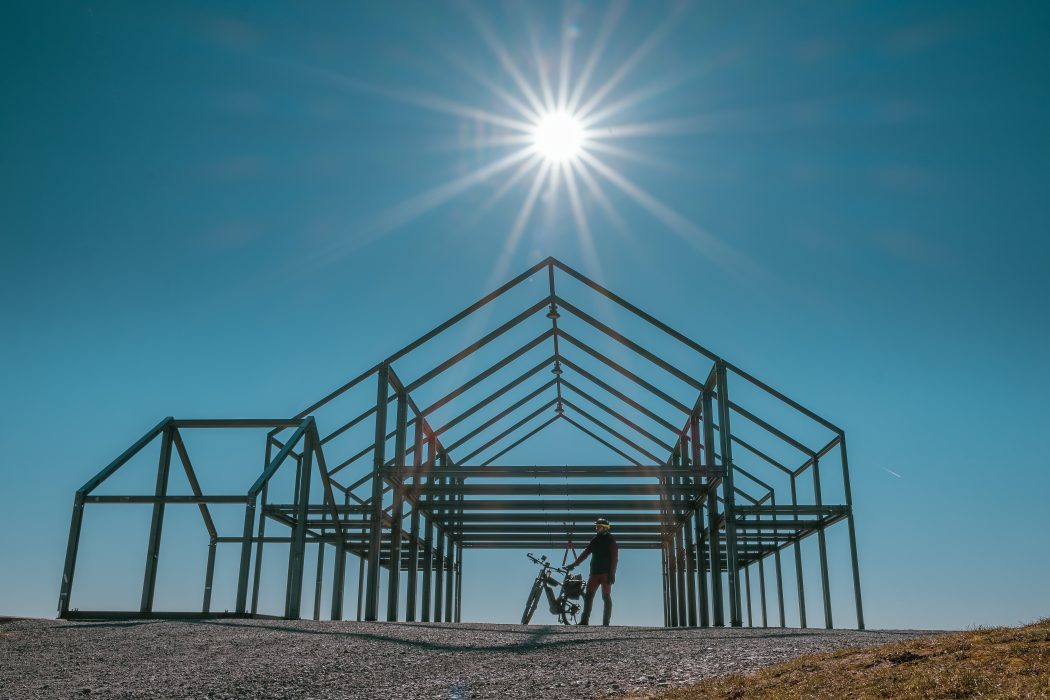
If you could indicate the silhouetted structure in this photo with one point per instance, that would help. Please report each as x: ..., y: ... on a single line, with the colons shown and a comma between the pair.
x: 719, y: 502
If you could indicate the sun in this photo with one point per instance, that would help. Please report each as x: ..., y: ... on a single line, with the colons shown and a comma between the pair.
x: 562, y: 132
x: 558, y: 137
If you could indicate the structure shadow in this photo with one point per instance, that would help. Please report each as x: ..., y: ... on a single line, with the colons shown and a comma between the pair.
x: 100, y: 625
x: 534, y: 640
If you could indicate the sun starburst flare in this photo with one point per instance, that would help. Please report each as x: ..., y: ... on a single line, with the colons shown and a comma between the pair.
x: 554, y: 134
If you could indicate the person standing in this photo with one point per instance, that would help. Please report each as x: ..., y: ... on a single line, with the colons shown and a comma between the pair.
x: 604, y: 555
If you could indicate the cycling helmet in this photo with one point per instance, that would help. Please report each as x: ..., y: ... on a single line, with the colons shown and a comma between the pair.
x: 602, y: 522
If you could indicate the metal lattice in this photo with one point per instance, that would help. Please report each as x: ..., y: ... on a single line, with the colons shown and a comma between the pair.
x: 689, y: 480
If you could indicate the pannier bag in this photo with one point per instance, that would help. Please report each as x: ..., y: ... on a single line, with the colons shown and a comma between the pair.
x: 573, y: 585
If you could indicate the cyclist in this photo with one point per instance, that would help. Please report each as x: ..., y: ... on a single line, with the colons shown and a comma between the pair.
x: 604, y: 555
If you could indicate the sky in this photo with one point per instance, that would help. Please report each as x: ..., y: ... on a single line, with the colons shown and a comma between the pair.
x: 229, y: 209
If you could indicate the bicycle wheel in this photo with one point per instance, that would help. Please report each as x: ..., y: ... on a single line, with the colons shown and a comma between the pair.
x: 530, y: 604
x: 568, y: 613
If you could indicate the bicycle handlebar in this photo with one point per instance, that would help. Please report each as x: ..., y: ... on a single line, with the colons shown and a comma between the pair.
x: 547, y: 565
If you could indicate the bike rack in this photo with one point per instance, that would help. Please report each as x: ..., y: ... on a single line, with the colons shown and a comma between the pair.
x: 719, y: 490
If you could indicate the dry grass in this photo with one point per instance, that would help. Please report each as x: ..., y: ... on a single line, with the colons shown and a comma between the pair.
x: 1002, y: 662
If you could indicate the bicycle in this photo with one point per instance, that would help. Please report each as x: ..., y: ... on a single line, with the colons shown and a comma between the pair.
x: 562, y: 605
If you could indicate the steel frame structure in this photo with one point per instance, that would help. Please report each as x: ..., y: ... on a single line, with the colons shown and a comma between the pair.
x: 417, y: 506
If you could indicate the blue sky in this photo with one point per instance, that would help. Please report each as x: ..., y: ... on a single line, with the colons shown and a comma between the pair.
x: 222, y: 210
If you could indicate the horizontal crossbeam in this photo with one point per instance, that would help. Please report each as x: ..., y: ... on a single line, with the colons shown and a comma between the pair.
x: 556, y: 489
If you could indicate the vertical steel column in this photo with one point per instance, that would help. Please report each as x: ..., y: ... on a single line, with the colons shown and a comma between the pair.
x: 747, y: 590
x: 798, y: 566
x: 683, y: 618
x: 339, y: 580
x: 672, y: 579
x: 296, y: 483
x: 449, y: 589
x: 666, y: 588
x: 459, y: 584
x: 318, y: 583
x: 728, y: 495
x: 397, y: 513
x: 680, y: 561
x: 690, y: 573
x: 852, y: 531
x: 713, y: 529
x: 360, y: 583
x: 149, y: 583
x: 297, y: 549
x: 779, y: 575
x: 246, y: 555
x: 689, y: 557
x: 780, y: 587
x: 701, y: 567
x: 256, y: 580
x: 72, y: 547
x: 459, y: 554
x: 762, y: 591
x: 822, y: 545
x: 439, y: 551
x: 698, y: 522
x: 439, y: 578
x: 257, y: 576
x: 209, y: 577
x: 375, y: 532
x: 339, y: 573
x: 428, y: 537
x: 673, y: 573
x: 413, y: 529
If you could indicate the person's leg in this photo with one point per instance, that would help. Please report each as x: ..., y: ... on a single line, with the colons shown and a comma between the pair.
x: 588, y: 600
x: 606, y: 600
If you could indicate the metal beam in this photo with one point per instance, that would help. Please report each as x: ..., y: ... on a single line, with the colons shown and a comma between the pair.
x: 378, y: 461
x: 503, y: 471
x: 149, y: 583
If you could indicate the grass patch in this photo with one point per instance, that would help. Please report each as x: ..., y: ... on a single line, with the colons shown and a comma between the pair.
x: 1001, y: 662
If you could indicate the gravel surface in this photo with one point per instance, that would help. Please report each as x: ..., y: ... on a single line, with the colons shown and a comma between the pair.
x: 303, y: 659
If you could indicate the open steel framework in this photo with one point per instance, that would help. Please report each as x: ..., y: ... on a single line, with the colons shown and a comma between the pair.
x: 417, y: 503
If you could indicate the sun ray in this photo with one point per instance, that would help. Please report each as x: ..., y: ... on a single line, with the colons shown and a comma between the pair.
x: 411, y: 209
x: 612, y: 18
x: 664, y: 127
x: 590, y: 251
x: 517, y: 176
x: 443, y: 104
x: 595, y: 190
x: 490, y: 39
x: 541, y: 70
x: 648, y: 92
x: 525, y: 213
x: 598, y: 116
x: 702, y: 240
x: 521, y: 221
x: 628, y: 65
x: 628, y: 154
x: 415, y: 97
x: 568, y: 40
x: 510, y: 100
x: 578, y: 209
x: 485, y: 142
x: 553, y: 189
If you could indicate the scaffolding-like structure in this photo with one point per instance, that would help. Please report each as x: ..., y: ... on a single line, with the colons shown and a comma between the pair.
x: 719, y: 503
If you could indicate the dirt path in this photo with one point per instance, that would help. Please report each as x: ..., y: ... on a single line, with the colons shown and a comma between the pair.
x: 278, y: 659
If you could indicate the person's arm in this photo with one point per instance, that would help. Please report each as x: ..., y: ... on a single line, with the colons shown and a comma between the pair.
x: 614, y: 558
x: 583, y: 555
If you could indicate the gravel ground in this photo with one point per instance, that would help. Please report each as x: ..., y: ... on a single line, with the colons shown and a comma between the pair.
x: 281, y: 659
